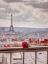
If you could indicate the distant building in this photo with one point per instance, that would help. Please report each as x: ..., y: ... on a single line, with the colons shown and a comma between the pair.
x: 2, y: 29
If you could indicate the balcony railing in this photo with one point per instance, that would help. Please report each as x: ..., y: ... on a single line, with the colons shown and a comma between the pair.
x: 31, y: 49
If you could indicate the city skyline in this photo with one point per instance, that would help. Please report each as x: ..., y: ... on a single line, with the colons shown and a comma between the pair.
x: 26, y: 13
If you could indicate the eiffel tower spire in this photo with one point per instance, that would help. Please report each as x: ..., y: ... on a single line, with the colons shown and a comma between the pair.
x: 11, y: 27
x: 11, y: 20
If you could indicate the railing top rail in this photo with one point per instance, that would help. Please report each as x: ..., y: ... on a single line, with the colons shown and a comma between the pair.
x: 20, y: 49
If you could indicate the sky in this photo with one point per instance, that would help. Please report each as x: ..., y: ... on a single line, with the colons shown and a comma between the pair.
x: 26, y: 13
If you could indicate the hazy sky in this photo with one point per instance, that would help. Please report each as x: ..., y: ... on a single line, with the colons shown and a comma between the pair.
x: 26, y: 13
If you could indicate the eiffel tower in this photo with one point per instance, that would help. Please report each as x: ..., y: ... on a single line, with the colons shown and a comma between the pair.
x: 11, y: 27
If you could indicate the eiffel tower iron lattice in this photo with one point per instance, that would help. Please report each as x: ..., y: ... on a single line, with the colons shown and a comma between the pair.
x: 11, y: 27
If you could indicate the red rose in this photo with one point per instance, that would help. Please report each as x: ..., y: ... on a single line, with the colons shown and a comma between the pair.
x: 24, y: 44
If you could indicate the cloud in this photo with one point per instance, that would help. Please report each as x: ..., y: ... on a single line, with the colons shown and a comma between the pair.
x: 3, y: 16
x: 6, y: 23
x: 8, y: 10
x: 26, y: 13
x: 9, y: 1
x: 46, y: 10
x: 35, y: 3
x: 25, y: 17
x: 8, y: 7
x: 41, y: 5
